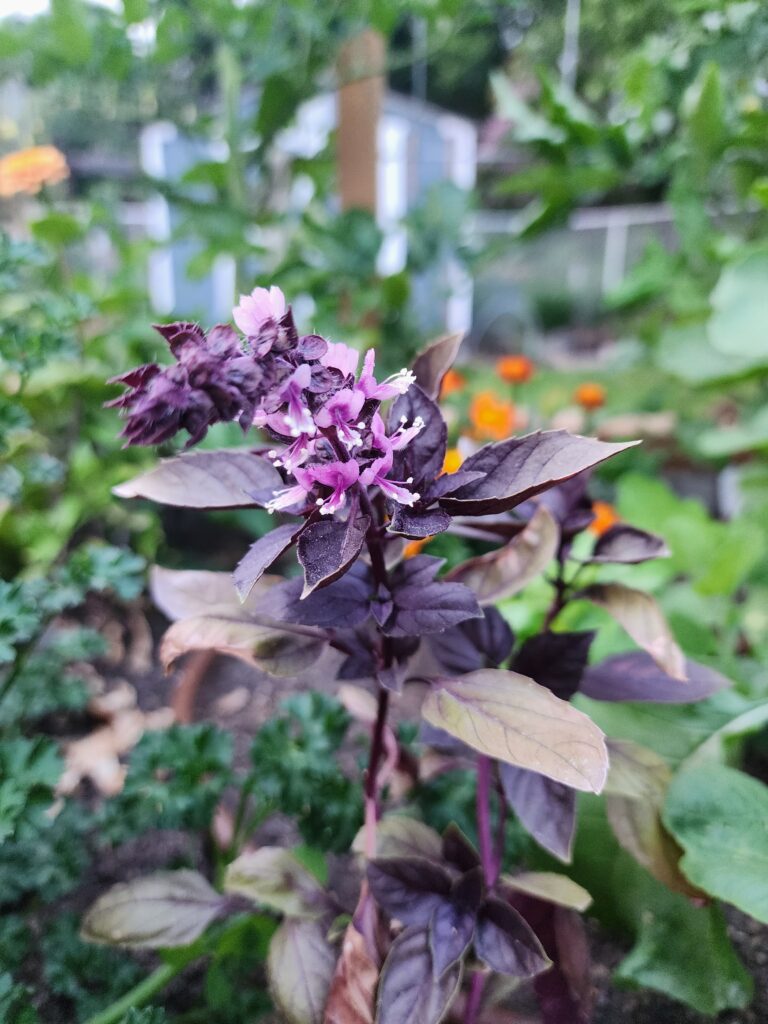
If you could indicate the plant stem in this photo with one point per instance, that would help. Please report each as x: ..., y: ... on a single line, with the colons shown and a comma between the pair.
x: 476, y: 986
x: 140, y: 994
x: 483, y: 805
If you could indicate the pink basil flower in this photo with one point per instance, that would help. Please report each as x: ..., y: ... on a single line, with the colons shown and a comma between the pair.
x: 341, y: 357
x: 341, y: 411
x: 376, y: 475
x: 397, y: 384
x: 259, y: 307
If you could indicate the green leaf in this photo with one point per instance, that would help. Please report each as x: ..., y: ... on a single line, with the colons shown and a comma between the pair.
x: 720, y: 818
x: 748, y: 436
x: 704, y: 111
x: 685, y: 953
x: 57, y: 228
x: 685, y: 352
x: 29, y: 770
x: 680, y: 949
x: 737, y: 326
x: 510, y: 717
x: 73, y: 41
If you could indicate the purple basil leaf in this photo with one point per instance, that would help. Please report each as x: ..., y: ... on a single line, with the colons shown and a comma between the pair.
x: 432, y: 364
x: 506, y: 943
x: 442, y: 741
x: 520, y: 467
x: 636, y: 676
x: 408, y: 888
x: 564, y: 992
x: 423, y: 458
x: 415, y: 524
x: 409, y: 989
x: 360, y: 662
x: 555, y: 660
x: 477, y: 643
x: 261, y: 555
x: 450, y: 933
x: 446, y: 483
x: 327, y: 548
x: 545, y: 808
x: 431, y: 608
x: 628, y: 546
x: 206, y: 479
x: 568, y: 502
x: 458, y: 850
x: 343, y: 604
x: 469, y: 889
x: 179, y: 333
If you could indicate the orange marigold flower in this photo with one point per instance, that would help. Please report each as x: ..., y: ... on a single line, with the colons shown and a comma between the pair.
x: 493, y: 418
x: 27, y: 170
x: 590, y: 395
x: 413, y: 547
x: 606, y: 516
x: 453, y: 460
x: 515, y: 369
x: 453, y: 381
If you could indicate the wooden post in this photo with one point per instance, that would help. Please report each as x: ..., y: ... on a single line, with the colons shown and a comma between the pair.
x: 361, y: 88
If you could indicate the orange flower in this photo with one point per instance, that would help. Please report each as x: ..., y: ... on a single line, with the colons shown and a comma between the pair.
x: 413, y: 548
x: 452, y: 382
x: 27, y: 170
x: 453, y: 460
x: 493, y: 418
x: 515, y: 369
x: 606, y: 516
x: 590, y: 395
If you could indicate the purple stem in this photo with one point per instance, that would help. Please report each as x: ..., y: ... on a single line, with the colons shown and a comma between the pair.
x: 474, y: 998
x: 483, y: 803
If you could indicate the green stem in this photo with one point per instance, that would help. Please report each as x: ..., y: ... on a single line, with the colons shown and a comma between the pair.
x: 141, y: 993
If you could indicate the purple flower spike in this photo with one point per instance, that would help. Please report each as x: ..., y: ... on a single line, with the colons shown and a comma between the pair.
x: 339, y: 476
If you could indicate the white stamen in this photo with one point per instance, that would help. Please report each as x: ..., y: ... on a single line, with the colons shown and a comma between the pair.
x: 272, y: 454
x: 409, y: 480
x: 320, y: 501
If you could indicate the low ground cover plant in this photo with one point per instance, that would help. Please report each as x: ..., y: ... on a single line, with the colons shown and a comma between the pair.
x: 420, y: 923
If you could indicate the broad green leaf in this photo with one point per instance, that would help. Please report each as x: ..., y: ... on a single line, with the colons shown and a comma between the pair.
x: 549, y: 886
x: 279, y: 653
x: 273, y: 877
x: 737, y: 326
x: 680, y: 949
x: 206, y: 479
x: 73, y: 41
x: 720, y: 818
x: 724, y: 745
x: 510, y: 717
x: 686, y: 352
x: 639, y: 614
x: 746, y: 436
x: 509, y: 569
x: 57, y: 228
x: 301, y: 964
x: 685, y: 952
x: 170, y: 908
x: 704, y: 111
x: 673, y: 730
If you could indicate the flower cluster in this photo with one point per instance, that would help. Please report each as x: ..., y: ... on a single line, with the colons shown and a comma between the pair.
x: 305, y: 391
x: 28, y: 170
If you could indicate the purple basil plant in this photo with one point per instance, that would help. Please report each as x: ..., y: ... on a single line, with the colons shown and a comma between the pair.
x: 352, y: 468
